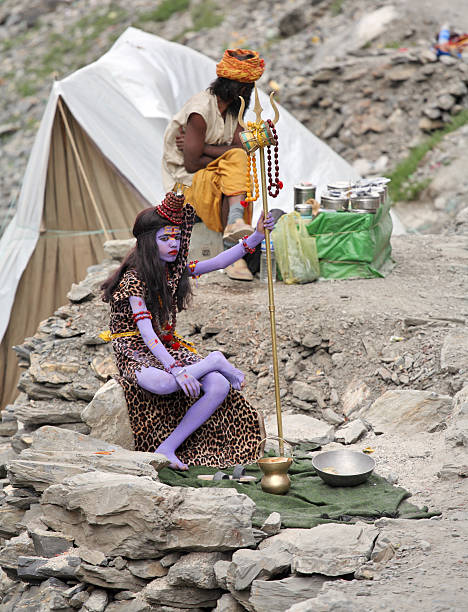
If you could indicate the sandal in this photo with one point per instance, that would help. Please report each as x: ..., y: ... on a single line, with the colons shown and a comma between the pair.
x: 238, y: 474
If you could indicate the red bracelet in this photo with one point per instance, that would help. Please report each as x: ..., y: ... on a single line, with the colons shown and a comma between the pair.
x: 192, y: 266
x: 142, y: 314
x: 246, y: 246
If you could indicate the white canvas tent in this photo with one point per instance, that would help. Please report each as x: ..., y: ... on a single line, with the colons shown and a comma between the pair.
x: 96, y: 162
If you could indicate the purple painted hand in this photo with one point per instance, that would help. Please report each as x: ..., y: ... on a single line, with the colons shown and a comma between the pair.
x: 226, y: 258
x: 268, y: 223
x: 188, y: 383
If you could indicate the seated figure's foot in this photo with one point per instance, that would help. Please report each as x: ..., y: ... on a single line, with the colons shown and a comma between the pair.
x: 239, y: 271
x: 236, y: 378
x: 237, y: 230
x: 233, y: 375
x: 175, y: 462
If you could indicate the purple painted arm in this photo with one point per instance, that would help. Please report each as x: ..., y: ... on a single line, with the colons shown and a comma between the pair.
x: 226, y: 258
x: 186, y: 382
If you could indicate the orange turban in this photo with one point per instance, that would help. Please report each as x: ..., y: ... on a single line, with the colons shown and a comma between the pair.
x: 242, y: 70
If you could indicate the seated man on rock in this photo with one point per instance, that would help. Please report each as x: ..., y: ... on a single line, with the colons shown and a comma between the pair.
x: 203, y: 153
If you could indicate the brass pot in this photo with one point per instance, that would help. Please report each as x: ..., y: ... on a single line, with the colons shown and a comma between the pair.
x: 275, y: 474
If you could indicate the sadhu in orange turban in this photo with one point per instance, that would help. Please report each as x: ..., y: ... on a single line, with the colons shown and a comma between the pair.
x: 242, y: 65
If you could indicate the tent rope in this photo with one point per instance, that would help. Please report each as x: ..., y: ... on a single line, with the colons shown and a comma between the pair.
x: 82, y: 170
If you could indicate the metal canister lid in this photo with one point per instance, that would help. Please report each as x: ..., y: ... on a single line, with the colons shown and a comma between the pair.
x: 341, y: 186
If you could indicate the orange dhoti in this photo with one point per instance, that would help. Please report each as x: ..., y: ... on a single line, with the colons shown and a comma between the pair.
x: 224, y: 176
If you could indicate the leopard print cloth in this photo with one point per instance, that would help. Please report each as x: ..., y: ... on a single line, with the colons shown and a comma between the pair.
x: 231, y: 435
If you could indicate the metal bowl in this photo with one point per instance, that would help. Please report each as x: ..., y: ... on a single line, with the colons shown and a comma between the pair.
x: 343, y: 468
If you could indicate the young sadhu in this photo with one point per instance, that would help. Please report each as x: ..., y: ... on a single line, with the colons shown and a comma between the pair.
x: 188, y: 408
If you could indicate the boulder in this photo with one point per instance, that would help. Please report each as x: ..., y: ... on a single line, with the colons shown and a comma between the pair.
x: 227, y: 603
x: 221, y: 569
x: 109, y: 577
x: 408, y: 412
x: 49, y: 595
x: 134, y: 516
x: 454, y: 355
x: 107, y: 415
x: 299, y: 428
x: 280, y: 595
x: 10, y: 521
x: 160, y: 592
x: 50, y: 543
x: 96, y: 602
x: 147, y: 568
x: 351, y: 432
x: 331, y: 549
x: 249, y: 565
x: 272, y: 524
x: 36, y: 569
x: 14, y: 548
x: 195, y: 570
x: 354, y: 396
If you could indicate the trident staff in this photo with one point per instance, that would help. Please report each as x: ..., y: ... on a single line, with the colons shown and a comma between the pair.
x: 258, y: 135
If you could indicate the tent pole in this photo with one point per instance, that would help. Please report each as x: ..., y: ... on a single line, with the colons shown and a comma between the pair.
x: 82, y: 170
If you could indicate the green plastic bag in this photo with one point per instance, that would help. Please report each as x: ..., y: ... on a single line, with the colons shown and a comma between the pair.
x: 295, y: 250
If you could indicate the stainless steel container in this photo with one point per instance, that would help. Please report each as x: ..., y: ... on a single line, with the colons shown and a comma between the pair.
x: 368, y: 203
x: 303, y: 192
x: 343, y: 468
x: 305, y: 210
x: 332, y: 203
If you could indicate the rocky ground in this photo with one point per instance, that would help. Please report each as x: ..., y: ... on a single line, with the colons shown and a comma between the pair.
x: 364, y: 363
x: 382, y: 363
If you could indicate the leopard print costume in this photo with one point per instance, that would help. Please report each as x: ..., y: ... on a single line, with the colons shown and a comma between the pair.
x: 231, y: 435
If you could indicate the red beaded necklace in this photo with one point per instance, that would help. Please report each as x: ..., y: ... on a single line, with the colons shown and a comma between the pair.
x: 275, y: 185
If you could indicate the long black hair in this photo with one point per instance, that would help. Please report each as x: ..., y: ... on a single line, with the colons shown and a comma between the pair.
x: 144, y: 258
x: 229, y: 91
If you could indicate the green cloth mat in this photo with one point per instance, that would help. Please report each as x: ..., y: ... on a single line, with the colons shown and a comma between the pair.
x: 310, y: 502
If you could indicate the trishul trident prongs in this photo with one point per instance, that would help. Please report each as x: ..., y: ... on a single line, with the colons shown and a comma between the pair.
x: 259, y: 137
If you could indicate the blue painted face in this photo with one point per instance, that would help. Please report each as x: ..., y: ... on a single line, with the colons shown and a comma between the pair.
x: 168, y: 241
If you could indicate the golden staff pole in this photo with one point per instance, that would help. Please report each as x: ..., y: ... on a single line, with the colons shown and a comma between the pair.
x: 271, y: 298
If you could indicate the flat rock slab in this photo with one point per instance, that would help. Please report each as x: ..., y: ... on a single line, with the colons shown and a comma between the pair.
x: 299, y: 428
x: 249, y: 565
x: 280, y: 595
x: 328, y: 600
x: 48, y: 412
x: 160, y: 592
x: 109, y: 577
x: 408, y: 412
x: 331, y: 549
x: 41, y: 469
x: 351, y: 432
x: 454, y: 354
x: 134, y: 517
x: 51, y: 438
